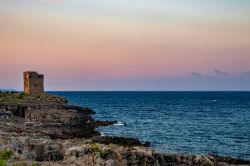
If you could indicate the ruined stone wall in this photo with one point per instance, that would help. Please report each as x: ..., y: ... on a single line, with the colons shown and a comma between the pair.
x: 33, y: 82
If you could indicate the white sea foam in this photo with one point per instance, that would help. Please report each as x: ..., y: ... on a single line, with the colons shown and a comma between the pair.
x: 105, y: 133
x: 119, y: 124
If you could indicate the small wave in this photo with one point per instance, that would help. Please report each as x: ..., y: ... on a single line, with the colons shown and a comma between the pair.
x: 214, y: 100
x: 119, y: 124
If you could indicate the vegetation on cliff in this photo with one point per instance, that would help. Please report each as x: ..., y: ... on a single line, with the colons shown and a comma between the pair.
x: 12, y: 98
x: 21, y: 98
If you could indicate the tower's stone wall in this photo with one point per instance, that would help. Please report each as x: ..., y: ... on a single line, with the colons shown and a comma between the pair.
x: 33, y: 82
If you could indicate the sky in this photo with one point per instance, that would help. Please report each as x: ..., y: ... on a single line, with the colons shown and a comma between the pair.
x: 170, y: 45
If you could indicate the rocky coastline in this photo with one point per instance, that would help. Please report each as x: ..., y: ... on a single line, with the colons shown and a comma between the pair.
x: 43, y: 129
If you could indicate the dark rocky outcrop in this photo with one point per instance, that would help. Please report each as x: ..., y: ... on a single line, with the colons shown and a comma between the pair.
x: 56, y: 118
x: 129, y: 142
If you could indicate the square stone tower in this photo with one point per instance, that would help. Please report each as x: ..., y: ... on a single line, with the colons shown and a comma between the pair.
x: 33, y: 82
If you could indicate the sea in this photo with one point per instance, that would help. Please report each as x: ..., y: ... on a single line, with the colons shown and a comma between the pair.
x: 175, y: 122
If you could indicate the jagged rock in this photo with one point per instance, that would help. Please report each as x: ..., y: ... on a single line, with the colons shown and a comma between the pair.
x: 69, y: 131
x: 37, y: 149
x: 76, y: 151
x: 130, y: 142
x: 230, y: 160
x: 102, y: 123
x: 110, y: 163
x: 53, y: 115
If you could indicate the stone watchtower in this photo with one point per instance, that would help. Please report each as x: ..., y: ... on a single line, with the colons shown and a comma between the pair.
x: 33, y: 82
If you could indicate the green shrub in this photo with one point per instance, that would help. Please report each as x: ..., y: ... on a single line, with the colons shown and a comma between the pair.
x: 104, y: 153
x: 6, y: 154
x: 33, y: 164
x: 96, y: 148
x: 2, y: 163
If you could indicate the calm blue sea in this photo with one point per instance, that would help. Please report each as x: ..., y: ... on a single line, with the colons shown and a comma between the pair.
x: 193, y: 122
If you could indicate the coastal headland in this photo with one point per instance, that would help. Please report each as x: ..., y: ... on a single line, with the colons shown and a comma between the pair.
x: 42, y: 129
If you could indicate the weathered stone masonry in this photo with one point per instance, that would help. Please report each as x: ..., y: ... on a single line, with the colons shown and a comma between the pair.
x: 33, y: 82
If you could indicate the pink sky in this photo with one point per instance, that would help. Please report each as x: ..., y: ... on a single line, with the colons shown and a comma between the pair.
x: 113, y: 45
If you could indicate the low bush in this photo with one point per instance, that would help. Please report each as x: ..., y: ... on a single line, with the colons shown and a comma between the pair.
x: 6, y: 154
x: 2, y: 163
x: 33, y: 164
x: 96, y: 147
x: 103, y: 152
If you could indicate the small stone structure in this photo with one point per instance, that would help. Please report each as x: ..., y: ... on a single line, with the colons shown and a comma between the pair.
x: 33, y: 82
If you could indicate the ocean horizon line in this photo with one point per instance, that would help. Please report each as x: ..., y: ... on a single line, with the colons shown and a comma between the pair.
x: 147, y: 91
x: 133, y: 90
